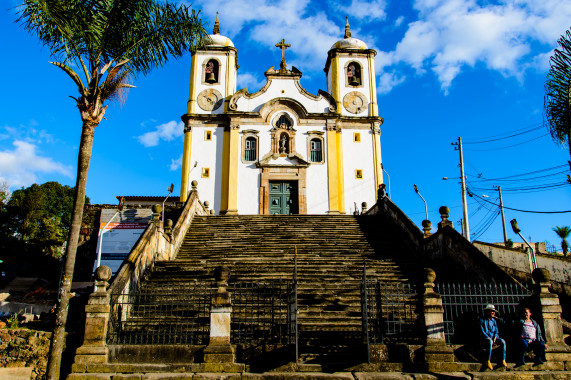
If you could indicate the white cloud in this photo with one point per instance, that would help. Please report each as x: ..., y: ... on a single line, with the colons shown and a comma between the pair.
x: 367, y: 10
x: 389, y: 80
x: 452, y: 34
x: 166, y: 132
x: 399, y: 21
x: 175, y: 164
x: 251, y: 81
x: 20, y: 167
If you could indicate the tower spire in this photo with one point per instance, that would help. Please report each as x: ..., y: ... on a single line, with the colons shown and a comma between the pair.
x: 347, y: 28
x: 216, y: 25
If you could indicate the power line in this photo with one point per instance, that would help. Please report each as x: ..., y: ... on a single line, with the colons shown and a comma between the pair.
x: 503, y: 138
x: 531, y: 126
x: 506, y: 147
x: 516, y: 209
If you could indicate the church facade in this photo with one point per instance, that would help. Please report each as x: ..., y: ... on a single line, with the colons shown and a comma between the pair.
x: 282, y: 150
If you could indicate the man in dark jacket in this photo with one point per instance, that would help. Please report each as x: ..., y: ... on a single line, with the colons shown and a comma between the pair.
x: 531, y: 338
x: 491, y: 336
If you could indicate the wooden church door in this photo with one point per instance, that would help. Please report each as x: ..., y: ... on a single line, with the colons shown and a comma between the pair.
x: 283, y: 197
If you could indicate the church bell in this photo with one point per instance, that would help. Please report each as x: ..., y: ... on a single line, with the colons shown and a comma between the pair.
x: 210, y: 78
x: 353, y: 81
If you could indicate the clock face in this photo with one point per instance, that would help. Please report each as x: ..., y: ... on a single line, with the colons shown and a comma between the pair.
x: 210, y: 100
x: 355, y: 102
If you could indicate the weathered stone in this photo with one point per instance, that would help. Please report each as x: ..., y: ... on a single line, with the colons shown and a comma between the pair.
x: 80, y: 368
x: 89, y: 376
x: 126, y: 377
x: 169, y: 376
x: 382, y: 375
x: 21, y: 373
x: 210, y: 376
x: 221, y: 367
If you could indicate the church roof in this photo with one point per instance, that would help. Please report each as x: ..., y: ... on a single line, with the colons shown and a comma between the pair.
x: 217, y: 38
x: 349, y: 42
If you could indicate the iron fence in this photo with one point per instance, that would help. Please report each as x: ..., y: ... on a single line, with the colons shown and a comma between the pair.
x: 390, y: 312
x: 463, y: 303
x: 159, y: 317
x: 260, y: 316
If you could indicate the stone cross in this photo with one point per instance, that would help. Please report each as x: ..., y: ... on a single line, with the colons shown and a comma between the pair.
x: 282, y: 45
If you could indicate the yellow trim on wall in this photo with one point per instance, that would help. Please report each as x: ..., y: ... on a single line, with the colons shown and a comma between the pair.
x: 230, y: 157
x: 336, y: 82
x: 191, y: 105
x: 377, y: 160
x: 340, y: 174
x: 185, y: 166
x: 373, y: 87
x: 225, y: 172
x: 332, y: 176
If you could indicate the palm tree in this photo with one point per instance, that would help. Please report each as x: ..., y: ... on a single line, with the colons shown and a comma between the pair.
x: 107, y: 42
x: 557, y: 103
x: 563, y: 233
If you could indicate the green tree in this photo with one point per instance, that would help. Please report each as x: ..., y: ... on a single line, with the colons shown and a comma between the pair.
x: 557, y: 103
x: 563, y: 233
x: 107, y: 41
x: 38, y: 217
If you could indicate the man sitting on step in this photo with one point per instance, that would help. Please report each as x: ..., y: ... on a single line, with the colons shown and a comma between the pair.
x: 531, y: 339
x: 490, y: 335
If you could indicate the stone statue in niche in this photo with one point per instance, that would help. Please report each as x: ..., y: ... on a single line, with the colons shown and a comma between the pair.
x: 283, y: 143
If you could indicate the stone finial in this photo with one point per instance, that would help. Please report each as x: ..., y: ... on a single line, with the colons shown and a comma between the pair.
x: 157, y: 209
x: 541, y: 275
x: 102, y: 276
x: 212, y: 212
x: 206, y: 205
x: 347, y: 28
x: 194, y: 185
x: 222, y: 273
x: 429, y: 275
x: 363, y: 207
x: 426, y: 227
x: 103, y: 273
x: 216, y: 25
x: 168, y: 227
x: 444, y: 213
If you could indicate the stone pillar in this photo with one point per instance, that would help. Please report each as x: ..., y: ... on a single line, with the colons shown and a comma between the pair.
x: 444, y: 212
x: 94, y: 349
x: 551, y: 315
x: 219, y: 349
x: 426, y: 227
x: 436, y: 351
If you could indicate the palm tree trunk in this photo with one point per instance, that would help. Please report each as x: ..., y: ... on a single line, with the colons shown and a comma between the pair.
x: 58, y: 336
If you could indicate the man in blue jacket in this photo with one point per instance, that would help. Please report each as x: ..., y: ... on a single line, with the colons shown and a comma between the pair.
x: 490, y: 335
x: 531, y: 338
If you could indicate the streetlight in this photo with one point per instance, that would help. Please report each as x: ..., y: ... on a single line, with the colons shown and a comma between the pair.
x: 531, y: 255
x: 389, y: 180
x: 425, y: 206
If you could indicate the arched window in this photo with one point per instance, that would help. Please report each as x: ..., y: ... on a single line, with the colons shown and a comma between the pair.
x: 211, y: 71
x: 250, y: 149
x: 354, y: 74
x: 315, y: 150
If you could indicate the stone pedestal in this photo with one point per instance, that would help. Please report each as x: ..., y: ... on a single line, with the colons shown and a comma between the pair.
x: 94, y: 348
x: 436, y: 350
x: 557, y: 350
x: 219, y: 349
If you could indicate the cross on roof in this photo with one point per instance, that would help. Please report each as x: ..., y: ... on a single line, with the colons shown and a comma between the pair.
x: 282, y: 45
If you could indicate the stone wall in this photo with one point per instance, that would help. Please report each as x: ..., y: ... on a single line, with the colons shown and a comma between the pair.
x: 25, y: 348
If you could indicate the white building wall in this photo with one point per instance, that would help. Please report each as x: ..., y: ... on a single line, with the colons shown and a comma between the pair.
x: 249, y: 175
x: 358, y: 155
x: 282, y: 88
x: 207, y: 154
x: 317, y: 195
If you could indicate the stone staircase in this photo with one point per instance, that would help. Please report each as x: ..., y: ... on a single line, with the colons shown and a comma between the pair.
x: 330, y: 254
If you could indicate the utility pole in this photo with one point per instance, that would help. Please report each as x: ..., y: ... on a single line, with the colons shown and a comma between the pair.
x: 466, y: 228
x: 503, y: 216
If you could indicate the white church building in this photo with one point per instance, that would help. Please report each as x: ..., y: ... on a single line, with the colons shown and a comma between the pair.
x: 282, y: 150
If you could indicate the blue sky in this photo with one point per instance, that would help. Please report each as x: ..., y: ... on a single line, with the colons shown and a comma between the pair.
x: 445, y: 69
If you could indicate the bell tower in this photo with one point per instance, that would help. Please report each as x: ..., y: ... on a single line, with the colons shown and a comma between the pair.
x: 350, y: 71
x: 212, y: 83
